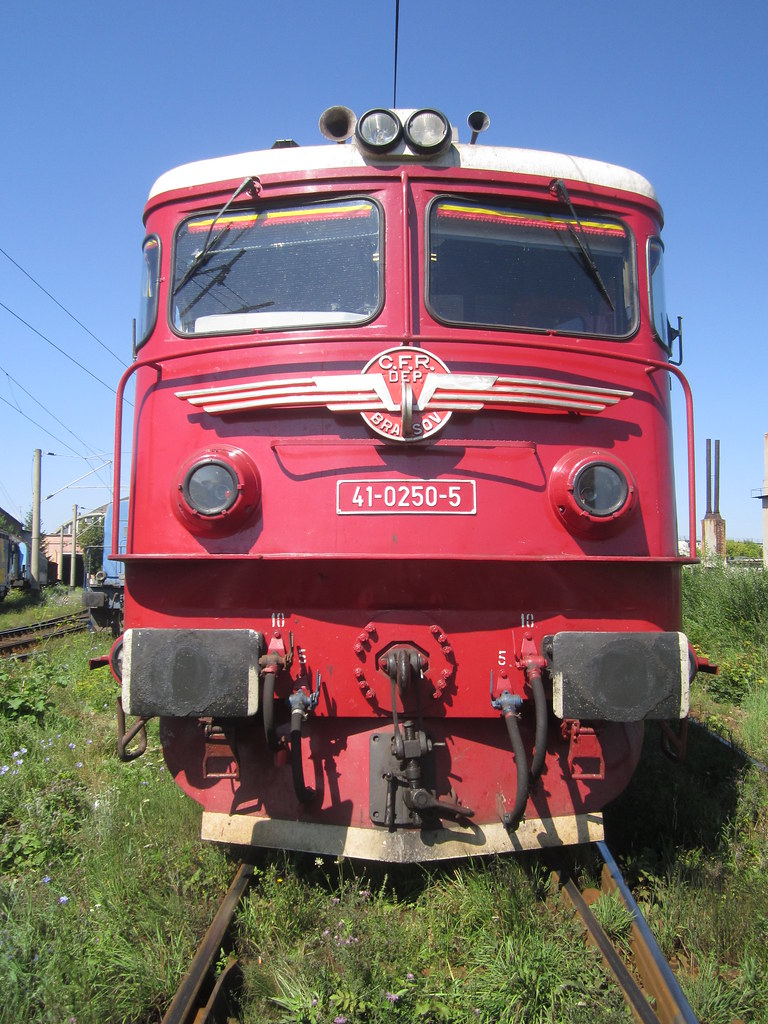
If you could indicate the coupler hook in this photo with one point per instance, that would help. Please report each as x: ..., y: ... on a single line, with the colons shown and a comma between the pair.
x: 124, y: 736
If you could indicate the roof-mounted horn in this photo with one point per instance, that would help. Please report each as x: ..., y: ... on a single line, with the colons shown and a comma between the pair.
x: 478, y: 121
x: 337, y: 124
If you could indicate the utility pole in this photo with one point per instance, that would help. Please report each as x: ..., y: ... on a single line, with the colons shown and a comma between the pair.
x: 73, y: 560
x: 34, y: 554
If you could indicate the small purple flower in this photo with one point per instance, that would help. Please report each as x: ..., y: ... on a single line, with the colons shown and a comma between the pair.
x: 63, y: 899
x: 24, y: 750
x: 410, y: 977
x: 71, y: 746
x: 46, y: 879
x: 341, y: 1019
x: 392, y: 997
x: 79, y: 764
x: 4, y: 769
x: 335, y: 901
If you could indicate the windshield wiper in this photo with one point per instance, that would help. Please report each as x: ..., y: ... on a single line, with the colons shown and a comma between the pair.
x: 202, y: 256
x: 218, y: 279
x: 557, y: 188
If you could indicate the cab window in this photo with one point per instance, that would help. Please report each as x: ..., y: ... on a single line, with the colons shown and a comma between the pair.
x: 150, y: 277
x: 277, y: 268
x: 528, y: 269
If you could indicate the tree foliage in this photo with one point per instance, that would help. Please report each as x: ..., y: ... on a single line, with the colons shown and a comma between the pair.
x: 91, y: 539
x: 743, y: 549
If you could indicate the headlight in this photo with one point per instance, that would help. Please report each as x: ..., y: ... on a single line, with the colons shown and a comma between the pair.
x: 592, y: 491
x: 210, y: 488
x: 427, y: 131
x: 379, y: 129
x: 600, y: 489
x: 217, y: 490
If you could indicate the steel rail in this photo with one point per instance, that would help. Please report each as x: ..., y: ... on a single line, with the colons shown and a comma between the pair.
x: 187, y: 1006
x: 658, y: 979
x: 19, y: 638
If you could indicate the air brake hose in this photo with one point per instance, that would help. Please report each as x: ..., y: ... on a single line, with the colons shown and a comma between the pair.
x: 514, y: 817
x: 269, y: 711
x: 303, y: 792
x: 540, y: 740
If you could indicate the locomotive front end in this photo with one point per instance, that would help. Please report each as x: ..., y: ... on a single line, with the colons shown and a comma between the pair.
x: 401, y: 579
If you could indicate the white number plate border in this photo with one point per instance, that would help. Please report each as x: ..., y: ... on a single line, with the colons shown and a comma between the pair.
x: 378, y: 496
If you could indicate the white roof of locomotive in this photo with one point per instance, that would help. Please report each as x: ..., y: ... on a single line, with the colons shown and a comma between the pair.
x: 334, y: 156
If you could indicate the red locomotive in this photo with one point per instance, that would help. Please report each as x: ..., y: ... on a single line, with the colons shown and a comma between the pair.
x: 402, y: 577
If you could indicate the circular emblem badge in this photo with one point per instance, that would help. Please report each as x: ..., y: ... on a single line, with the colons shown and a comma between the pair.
x: 404, y: 392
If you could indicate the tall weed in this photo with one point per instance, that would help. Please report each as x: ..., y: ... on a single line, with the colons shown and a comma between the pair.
x: 725, y: 612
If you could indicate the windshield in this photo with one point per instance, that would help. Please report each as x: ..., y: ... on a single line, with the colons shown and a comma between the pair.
x: 507, y: 267
x: 298, y: 266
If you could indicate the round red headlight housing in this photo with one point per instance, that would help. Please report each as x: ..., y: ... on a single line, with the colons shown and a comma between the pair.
x: 592, y: 490
x: 217, y: 490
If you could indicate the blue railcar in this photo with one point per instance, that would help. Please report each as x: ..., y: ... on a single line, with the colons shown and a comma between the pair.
x: 103, y: 590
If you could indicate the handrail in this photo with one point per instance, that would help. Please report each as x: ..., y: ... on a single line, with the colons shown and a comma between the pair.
x: 650, y: 365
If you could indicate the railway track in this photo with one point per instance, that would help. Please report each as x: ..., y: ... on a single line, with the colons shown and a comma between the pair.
x: 657, y: 997
x: 201, y: 997
x: 649, y: 985
x: 21, y: 640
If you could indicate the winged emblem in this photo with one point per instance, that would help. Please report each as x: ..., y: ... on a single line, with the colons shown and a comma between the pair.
x: 406, y: 393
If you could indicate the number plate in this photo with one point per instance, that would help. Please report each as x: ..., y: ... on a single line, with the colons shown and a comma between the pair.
x: 405, y: 497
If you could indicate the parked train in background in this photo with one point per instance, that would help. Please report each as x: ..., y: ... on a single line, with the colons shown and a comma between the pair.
x: 15, y: 560
x: 103, y: 589
x: 401, y: 574
x: 5, y: 564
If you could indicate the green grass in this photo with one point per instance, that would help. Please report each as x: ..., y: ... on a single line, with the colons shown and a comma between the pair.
x: 106, y: 889
x: 23, y: 607
x: 104, y: 886
x: 473, y: 942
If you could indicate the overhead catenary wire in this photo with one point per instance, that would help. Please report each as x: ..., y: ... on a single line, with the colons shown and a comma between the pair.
x: 397, y: 34
x: 40, y: 426
x: 62, y: 307
x: 53, y: 417
x: 61, y: 350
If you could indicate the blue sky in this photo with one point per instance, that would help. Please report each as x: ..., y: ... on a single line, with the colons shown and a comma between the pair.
x: 99, y: 99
